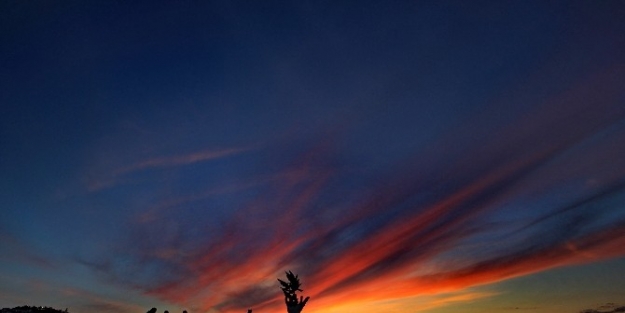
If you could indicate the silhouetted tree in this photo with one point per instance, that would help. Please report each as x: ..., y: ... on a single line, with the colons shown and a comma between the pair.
x: 293, y: 304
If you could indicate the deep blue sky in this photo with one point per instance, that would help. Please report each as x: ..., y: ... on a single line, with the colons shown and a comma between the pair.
x: 184, y: 154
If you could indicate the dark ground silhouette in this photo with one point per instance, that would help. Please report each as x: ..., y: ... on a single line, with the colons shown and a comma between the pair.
x: 293, y: 304
x: 32, y: 309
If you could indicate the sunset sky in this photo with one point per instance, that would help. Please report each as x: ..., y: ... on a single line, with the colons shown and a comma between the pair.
x: 400, y: 156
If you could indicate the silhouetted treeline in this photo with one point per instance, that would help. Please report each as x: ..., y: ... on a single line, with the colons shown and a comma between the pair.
x: 32, y: 309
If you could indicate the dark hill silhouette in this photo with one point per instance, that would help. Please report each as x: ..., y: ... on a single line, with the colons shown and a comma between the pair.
x: 32, y: 309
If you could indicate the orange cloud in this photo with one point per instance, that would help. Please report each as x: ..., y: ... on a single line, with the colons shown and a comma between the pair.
x: 405, y: 238
x: 383, y: 265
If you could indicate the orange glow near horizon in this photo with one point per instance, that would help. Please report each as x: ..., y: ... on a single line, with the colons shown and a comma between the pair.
x: 499, y: 208
x: 348, y: 279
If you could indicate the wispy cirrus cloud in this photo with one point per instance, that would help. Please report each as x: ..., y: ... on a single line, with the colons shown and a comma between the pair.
x: 362, y: 258
x: 178, y: 160
x: 546, y: 190
x: 120, y: 174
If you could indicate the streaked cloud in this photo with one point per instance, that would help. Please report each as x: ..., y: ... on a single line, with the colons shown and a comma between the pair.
x: 120, y: 174
x: 486, y: 214
x: 178, y: 160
